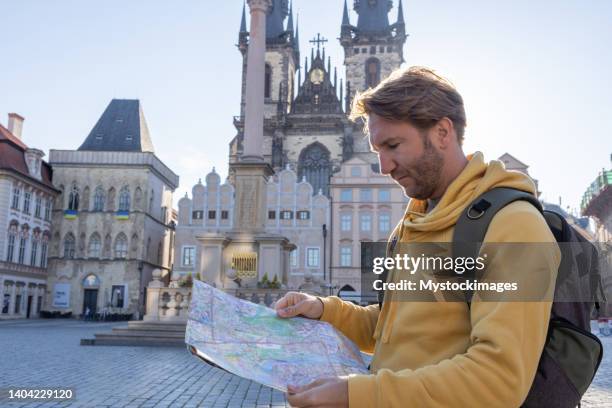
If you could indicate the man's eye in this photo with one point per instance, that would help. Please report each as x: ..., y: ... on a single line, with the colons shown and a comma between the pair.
x: 393, y: 146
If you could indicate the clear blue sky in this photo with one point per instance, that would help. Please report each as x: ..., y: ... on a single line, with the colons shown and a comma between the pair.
x: 535, y: 75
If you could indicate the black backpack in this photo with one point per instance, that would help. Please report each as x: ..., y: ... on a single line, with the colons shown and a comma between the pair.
x: 571, y: 354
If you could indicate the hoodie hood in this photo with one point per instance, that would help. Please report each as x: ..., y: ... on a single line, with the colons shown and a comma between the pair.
x: 475, y: 179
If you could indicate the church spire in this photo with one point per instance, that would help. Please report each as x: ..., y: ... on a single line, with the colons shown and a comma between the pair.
x: 400, y: 13
x: 290, y: 21
x: 243, y: 28
x: 345, y: 16
x: 296, y: 38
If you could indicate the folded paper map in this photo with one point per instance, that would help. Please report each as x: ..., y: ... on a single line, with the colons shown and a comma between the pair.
x: 249, y: 340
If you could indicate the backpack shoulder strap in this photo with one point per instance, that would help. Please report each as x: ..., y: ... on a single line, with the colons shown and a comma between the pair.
x: 472, y: 224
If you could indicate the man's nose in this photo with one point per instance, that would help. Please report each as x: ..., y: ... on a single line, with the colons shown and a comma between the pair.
x: 387, y: 164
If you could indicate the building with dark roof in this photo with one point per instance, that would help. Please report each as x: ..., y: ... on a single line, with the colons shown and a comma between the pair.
x: 26, y: 199
x: 113, y: 221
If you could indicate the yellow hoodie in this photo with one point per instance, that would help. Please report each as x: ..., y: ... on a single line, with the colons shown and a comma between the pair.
x: 444, y: 354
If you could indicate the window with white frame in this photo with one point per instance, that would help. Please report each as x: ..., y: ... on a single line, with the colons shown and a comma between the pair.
x: 366, y: 222
x: 48, y: 210
x: 188, y: 255
x: 73, y: 198
x: 293, y: 258
x: 69, y: 246
x: 37, y: 206
x: 121, y: 246
x: 286, y: 215
x: 95, y: 245
x: 312, y: 257
x: 12, y: 237
x: 27, y: 197
x: 346, y: 194
x: 34, y: 252
x: 303, y: 215
x: 16, y: 198
x: 99, y: 199
x: 355, y: 171
x: 23, y: 242
x: 346, y: 222
x: 124, y: 199
x: 43, y: 254
x: 384, y: 195
x: 365, y: 195
x: 346, y: 255
x: 384, y: 222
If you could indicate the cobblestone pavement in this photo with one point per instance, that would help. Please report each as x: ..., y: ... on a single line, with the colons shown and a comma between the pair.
x: 46, y: 353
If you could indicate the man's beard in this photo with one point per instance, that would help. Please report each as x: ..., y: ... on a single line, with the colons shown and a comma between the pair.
x: 425, y: 173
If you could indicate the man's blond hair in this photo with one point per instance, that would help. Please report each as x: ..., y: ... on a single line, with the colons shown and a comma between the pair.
x: 416, y: 95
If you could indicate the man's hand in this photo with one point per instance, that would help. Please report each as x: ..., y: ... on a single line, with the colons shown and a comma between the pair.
x: 295, y: 304
x: 325, y: 392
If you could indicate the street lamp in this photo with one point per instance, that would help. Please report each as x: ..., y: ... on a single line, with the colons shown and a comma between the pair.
x: 324, y: 230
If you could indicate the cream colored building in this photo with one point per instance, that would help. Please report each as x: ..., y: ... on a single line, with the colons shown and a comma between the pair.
x: 293, y: 211
x: 366, y: 207
x: 26, y: 199
x: 113, y: 221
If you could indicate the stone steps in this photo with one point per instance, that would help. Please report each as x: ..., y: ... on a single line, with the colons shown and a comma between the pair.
x: 141, y: 333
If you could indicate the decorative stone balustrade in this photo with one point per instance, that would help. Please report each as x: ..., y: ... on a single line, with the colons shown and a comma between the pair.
x: 172, y: 304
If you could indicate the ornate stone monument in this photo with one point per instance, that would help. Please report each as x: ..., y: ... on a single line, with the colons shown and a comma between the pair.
x: 270, y: 252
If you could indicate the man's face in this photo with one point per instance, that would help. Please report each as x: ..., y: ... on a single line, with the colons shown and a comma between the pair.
x: 407, y: 155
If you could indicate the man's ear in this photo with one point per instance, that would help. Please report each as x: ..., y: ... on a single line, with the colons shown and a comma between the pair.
x: 445, y: 133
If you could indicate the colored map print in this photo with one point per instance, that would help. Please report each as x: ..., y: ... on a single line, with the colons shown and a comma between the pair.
x: 249, y: 340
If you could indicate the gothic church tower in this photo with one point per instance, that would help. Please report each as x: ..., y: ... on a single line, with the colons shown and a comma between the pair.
x: 373, y: 48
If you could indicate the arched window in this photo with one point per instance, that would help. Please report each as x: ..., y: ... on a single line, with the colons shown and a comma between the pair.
x: 151, y: 201
x: 124, y: 199
x: 95, y: 246
x: 372, y: 72
x: 69, y: 246
x: 268, y: 82
x: 99, y: 199
x: 315, y: 165
x: 73, y: 198
x: 121, y: 246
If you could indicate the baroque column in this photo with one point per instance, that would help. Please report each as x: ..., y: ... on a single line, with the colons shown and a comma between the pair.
x: 251, y: 172
x: 254, y: 112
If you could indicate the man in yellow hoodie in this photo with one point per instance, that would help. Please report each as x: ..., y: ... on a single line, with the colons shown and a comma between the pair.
x: 437, y: 354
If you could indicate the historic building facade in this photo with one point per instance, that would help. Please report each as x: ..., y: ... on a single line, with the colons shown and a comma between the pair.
x: 366, y: 206
x: 113, y: 220
x: 293, y: 211
x: 314, y: 151
x: 306, y: 124
x: 26, y: 200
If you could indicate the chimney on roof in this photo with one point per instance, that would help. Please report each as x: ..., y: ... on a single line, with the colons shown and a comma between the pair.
x: 15, y: 124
